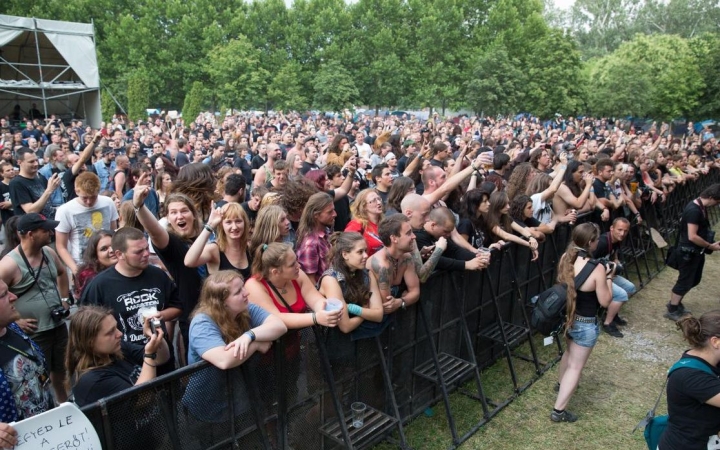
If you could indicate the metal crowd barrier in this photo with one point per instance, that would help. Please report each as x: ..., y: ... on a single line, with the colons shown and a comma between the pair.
x: 298, y: 395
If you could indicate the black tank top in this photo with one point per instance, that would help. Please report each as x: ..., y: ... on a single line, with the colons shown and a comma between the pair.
x: 225, y: 264
x: 586, y: 304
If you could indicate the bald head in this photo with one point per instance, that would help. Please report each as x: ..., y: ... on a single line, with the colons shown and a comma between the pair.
x: 416, y: 208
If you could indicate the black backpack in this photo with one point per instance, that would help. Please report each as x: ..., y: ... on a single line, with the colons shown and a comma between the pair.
x: 548, y: 307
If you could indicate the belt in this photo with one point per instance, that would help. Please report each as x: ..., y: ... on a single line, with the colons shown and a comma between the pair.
x: 583, y: 319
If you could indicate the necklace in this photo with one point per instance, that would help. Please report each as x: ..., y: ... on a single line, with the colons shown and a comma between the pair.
x: 394, y: 262
x: 284, y: 288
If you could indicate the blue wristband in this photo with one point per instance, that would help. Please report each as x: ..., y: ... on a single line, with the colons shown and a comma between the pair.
x: 251, y: 333
x: 355, y: 310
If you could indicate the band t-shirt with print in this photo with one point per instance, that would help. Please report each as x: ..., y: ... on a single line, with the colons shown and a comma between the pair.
x: 26, y: 375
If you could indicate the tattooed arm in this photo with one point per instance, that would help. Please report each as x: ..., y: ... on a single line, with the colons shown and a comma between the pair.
x: 423, y: 270
x: 383, y: 275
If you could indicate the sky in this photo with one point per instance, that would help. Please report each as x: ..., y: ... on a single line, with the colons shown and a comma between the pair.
x: 564, y: 4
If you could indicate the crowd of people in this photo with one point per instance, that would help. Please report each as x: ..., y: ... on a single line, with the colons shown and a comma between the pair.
x: 231, y: 232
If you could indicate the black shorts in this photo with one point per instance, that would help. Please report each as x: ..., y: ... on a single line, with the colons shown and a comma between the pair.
x: 690, y: 269
x: 53, y: 344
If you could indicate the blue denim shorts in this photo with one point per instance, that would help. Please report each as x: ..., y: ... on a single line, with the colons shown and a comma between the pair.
x: 585, y: 334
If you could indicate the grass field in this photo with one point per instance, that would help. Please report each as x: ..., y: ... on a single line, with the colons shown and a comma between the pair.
x: 618, y: 386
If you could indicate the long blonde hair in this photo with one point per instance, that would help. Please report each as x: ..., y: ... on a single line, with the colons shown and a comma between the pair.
x: 267, y: 226
x: 358, y: 208
x: 582, y: 236
x: 215, y: 290
x: 233, y: 211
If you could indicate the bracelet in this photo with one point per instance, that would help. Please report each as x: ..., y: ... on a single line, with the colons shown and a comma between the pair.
x: 314, y: 317
x: 473, y: 166
x: 209, y: 229
x: 355, y: 310
x: 138, y: 208
x: 150, y: 355
x: 151, y: 365
x: 250, y: 333
x: 402, y: 304
x: 475, y: 173
x: 65, y: 299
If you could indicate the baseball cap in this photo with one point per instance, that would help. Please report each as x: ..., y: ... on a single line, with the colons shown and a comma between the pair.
x: 34, y: 221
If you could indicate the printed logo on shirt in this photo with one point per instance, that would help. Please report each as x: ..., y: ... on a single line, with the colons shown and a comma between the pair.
x: 138, y: 299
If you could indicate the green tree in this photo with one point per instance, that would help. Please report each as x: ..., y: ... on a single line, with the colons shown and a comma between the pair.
x: 108, y: 107
x: 496, y: 86
x: 138, y: 93
x: 334, y: 88
x: 194, y: 101
x: 706, y: 49
x: 285, y: 91
x: 235, y: 74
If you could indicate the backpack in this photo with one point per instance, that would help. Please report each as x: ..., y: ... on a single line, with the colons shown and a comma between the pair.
x: 548, y: 307
x: 655, y: 426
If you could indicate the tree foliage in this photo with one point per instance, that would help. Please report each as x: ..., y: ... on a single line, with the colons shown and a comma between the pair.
x: 194, y: 100
x: 335, y: 88
x: 138, y: 94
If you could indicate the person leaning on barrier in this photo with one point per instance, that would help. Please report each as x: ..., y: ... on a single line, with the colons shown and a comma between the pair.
x: 695, y: 237
x: 439, y: 224
x: 393, y: 265
x: 622, y: 288
x: 581, y: 328
x: 24, y: 390
x: 281, y: 288
x: 34, y: 273
x: 101, y: 363
x: 693, y: 396
x: 348, y: 280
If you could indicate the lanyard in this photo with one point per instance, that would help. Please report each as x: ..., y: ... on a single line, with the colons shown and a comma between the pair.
x: 31, y: 357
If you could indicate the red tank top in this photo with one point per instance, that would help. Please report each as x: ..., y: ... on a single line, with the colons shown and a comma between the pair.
x: 298, y: 307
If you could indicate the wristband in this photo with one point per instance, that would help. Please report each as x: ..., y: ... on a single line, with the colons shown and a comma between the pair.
x: 250, y: 333
x: 65, y: 299
x: 314, y: 317
x: 209, y: 229
x: 150, y: 355
x: 355, y: 310
x: 472, y: 164
x: 151, y: 365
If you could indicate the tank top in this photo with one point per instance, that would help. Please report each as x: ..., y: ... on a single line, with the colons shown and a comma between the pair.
x: 35, y: 300
x: 225, y: 264
x: 298, y: 307
x: 586, y: 304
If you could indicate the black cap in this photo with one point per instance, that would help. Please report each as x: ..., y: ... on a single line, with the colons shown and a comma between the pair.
x: 33, y: 221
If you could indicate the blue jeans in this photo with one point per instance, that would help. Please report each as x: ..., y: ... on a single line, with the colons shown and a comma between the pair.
x: 622, y: 289
x: 584, y: 334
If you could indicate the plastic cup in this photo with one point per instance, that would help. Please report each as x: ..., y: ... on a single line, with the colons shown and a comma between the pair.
x: 148, y: 312
x: 333, y: 304
x: 633, y: 186
x: 358, y: 414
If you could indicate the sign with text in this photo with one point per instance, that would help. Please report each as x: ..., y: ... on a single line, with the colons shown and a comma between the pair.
x: 62, y: 428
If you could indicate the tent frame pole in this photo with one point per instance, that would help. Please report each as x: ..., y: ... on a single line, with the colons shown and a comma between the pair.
x: 40, y: 69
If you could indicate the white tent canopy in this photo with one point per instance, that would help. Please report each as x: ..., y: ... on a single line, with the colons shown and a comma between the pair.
x: 49, y: 64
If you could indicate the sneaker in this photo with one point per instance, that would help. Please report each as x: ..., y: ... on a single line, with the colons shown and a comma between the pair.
x: 619, y: 320
x: 612, y: 330
x: 674, y: 316
x: 683, y: 310
x: 565, y: 416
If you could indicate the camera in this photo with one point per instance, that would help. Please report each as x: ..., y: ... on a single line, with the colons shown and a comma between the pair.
x: 155, y: 323
x: 59, y: 313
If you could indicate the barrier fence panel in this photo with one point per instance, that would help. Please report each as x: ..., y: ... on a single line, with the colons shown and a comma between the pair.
x: 298, y: 395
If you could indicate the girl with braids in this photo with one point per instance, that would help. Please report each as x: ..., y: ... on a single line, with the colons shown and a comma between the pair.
x: 348, y: 280
x: 581, y: 327
x: 693, y: 395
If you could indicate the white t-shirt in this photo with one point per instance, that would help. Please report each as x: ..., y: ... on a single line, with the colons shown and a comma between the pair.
x: 364, y: 150
x: 542, y: 210
x: 80, y: 222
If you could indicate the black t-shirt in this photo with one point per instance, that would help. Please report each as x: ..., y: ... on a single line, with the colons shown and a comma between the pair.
x: 529, y: 222
x: 5, y: 214
x: 691, y: 421
x: 67, y: 185
x: 454, y: 256
x: 476, y: 237
x: 694, y: 214
x: 189, y: 279
x: 383, y: 195
x: 116, y: 377
x: 307, y: 167
x: 125, y: 296
x: 245, y: 168
x: 604, y: 247
x: 252, y: 215
x: 342, y: 209
x: 258, y: 161
x: 29, y: 190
